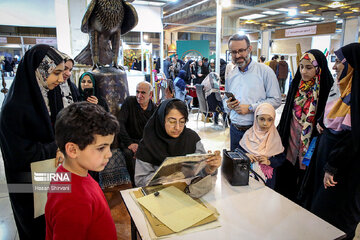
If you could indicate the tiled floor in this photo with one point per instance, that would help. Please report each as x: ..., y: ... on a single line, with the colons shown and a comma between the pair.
x: 213, y: 138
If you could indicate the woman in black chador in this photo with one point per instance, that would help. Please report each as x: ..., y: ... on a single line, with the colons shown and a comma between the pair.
x: 26, y: 132
x: 304, y: 105
x: 336, y: 196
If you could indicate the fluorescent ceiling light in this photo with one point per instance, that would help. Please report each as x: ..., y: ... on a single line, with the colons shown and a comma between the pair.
x: 226, y: 3
x: 336, y: 4
x: 282, y: 9
x: 253, y: 16
x: 292, y: 22
x: 292, y: 12
x: 241, y: 32
x: 315, y: 18
x: 149, y: 3
x: 271, y: 12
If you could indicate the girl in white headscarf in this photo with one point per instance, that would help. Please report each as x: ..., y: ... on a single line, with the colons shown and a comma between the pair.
x: 262, y: 143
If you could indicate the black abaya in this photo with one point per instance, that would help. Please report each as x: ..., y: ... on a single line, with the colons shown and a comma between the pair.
x: 26, y: 136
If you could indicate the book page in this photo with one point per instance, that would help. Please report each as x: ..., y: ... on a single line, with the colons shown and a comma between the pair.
x: 175, y: 209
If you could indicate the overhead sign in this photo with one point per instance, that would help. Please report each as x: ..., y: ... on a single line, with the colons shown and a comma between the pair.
x: 49, y: 41
x: 3, y: 39
x: 300, y: 31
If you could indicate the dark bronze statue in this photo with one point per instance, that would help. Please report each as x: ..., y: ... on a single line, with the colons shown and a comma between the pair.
x: 105, y: 21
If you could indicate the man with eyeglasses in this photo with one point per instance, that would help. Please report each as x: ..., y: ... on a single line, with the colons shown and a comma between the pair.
x: 251, y: 83
x: 133, y: 116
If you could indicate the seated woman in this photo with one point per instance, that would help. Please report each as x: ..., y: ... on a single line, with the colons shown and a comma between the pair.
x: 166, y: 135
x: 87, y: 81
x: 212, y: 94
x: 262, y: 143
x: 180, y: 88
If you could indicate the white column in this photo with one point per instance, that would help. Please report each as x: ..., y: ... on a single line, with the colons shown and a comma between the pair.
x: 142, y: 51
x: 218, y: 36
x: 265, y: 43
x: 350, y: 31
x: 69, y: 14
x: 162, y: 43
x: 63, y: 36
x: 321, y: 42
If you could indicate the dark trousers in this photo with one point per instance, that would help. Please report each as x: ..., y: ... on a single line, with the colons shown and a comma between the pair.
x: 289, y: 179
x: 130, y: 163
x: 235, y: 137
x: 282, y: 82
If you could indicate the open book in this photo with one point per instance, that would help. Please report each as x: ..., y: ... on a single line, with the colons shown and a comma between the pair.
x: 179, y: 168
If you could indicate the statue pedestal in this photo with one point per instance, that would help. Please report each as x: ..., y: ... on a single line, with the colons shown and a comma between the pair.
x: 111, y: 84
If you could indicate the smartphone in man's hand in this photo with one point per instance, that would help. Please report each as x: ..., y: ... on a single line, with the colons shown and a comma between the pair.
x: 230, y: 95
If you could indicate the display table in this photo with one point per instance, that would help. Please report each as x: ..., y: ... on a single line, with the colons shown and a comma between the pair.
x: 249, y: 212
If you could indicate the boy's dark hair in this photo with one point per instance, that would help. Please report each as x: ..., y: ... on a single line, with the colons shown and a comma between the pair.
x: 178, y: 105
x: 282, y: 57
x: 79, y: 122
x: 262, y: 58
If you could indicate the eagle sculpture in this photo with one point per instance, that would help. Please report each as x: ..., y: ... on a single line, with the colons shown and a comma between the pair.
x: 105, y: 21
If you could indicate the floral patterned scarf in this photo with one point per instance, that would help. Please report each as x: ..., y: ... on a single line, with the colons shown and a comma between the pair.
x: 44, y: 70
x: 305, y: 104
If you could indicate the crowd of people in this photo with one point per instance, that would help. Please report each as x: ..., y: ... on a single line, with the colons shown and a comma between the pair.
x: 45, y: 115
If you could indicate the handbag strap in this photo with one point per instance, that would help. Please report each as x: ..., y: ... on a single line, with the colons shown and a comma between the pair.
x: 257, y: 176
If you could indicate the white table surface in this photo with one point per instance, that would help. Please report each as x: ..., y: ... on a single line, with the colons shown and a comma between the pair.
x: 249, y: 212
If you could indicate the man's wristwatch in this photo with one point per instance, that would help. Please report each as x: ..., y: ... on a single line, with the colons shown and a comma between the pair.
x: 251, y: 109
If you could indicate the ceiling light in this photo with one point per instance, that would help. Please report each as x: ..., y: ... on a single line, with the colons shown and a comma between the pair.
x: 348, y: 12
x: 249, y: 21
x: 336, y: 4
x: 311, y: 10
x: 282, y: 9
x: 344, y: 7
x: 292, y: 22
x: 226, y: 3
x: 304, y: 5
x: 241, y: 32
x: 315, y: 18
x: 323, y: 8
x: 253, y: 16
x: 292, y: 12
x: 303, y: 12
x: 271, y: 12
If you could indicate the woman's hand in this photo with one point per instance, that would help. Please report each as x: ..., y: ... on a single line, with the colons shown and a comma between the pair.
x: 92, y: 99
x: 263, y: 160
x: 252, y: 157
x: 59, y: 158
x: 213, y: 162
x: 329, y: 180
x: 319, y: 128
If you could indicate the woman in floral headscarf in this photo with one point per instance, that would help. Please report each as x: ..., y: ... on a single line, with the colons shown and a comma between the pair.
x: 305, y: 104
x: 336, y: 182
x: 26, y: 131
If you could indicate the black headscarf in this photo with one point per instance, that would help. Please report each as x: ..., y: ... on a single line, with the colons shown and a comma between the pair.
x: 326, y: 82
x: 187, y: 69
x: 352, y: 54
x: 157, y: 145
x: 26, y: 136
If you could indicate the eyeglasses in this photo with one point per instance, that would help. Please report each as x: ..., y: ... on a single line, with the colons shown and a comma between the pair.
x: 173, y: 122
x: 239, y: 51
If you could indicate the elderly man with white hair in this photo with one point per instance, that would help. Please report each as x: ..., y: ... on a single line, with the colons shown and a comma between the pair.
x: 133, y: 116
